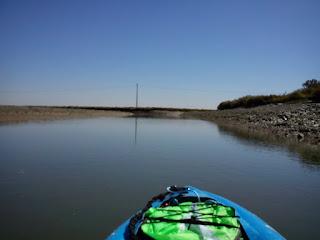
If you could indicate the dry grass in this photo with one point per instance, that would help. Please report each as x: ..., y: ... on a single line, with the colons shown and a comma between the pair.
x: 301, y: 95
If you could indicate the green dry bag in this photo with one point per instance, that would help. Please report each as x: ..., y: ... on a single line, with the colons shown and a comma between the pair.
x: 192, y: 221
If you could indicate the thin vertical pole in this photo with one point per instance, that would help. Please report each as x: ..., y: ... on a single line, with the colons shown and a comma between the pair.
x: 137, y: 93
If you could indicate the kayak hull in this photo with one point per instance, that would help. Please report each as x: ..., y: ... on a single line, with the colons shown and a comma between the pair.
x: 254, y: 226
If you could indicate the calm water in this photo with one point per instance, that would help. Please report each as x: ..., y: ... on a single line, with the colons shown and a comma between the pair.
x: 79, y: 179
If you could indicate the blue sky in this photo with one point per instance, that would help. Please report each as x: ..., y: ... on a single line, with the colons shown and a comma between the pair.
x: 182, y: 53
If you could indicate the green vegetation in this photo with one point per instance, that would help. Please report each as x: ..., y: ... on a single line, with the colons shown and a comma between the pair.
x: 309, y: 92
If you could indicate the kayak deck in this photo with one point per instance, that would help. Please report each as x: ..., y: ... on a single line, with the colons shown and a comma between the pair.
x: 253, y: 226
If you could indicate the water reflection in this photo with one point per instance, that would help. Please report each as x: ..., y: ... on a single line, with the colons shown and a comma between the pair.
x: 308, y: 154
x: 135, y: 130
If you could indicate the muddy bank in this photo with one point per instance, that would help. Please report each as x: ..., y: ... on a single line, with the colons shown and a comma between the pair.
x: 297, y: 123
x: 17, y: 114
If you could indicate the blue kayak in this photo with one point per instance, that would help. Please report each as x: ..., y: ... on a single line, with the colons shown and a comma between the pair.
x: 190, y: 213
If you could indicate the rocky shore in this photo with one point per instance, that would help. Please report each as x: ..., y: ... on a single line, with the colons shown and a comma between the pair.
x: 298, y: 122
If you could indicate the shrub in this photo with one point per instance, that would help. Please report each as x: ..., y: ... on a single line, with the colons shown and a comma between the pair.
x: 310, y: 91
x: 313, y: 83
x: 315, y: 97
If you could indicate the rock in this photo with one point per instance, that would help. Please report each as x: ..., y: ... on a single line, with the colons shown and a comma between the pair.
x: 300, y: 136
x: 283, y: 117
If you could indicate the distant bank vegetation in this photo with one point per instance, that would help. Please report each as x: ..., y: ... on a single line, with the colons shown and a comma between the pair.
x: 310, y: 91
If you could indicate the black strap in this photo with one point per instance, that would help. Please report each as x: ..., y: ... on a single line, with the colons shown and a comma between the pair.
x: 189, y: 221
x: 132, y: 229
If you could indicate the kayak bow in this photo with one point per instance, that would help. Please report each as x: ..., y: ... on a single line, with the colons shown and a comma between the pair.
x: 184, y: 213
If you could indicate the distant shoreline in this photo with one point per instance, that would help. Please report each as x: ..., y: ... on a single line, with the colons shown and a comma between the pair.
x: 299, y: 123
x: 19, y: 114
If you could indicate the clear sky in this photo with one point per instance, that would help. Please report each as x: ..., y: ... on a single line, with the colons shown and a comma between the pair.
x: 183, y: 53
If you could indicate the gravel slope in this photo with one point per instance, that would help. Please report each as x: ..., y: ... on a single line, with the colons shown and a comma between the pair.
x: 296, y: 122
